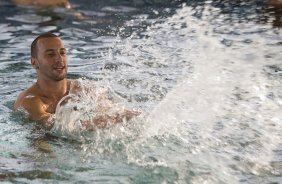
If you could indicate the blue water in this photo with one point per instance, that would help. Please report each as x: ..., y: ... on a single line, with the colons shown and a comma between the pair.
x: 205, y: 74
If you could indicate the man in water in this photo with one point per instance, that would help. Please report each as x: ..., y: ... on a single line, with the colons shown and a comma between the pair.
x: 49, y: 59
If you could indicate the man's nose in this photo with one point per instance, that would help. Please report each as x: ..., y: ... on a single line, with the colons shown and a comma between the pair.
x: 59, y: 57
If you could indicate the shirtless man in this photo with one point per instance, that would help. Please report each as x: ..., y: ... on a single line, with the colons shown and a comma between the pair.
x: 49, y: 59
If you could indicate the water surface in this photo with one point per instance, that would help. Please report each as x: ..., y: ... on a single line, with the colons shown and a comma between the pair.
x: 206, y: 74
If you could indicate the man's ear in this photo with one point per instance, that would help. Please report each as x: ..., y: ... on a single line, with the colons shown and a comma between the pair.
x: 34, y: 63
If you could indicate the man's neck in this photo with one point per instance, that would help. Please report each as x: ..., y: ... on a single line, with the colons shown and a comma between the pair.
x: 53, y: 89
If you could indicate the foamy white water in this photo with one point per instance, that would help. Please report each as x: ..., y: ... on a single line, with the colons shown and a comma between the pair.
x: 226, y: 111
x: 221, y: 122
x: 206, y: 77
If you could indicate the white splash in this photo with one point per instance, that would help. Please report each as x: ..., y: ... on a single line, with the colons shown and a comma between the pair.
x: 85, y: 101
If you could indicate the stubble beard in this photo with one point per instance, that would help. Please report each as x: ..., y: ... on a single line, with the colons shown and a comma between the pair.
x: 61, y: 77
x: 56, y: 78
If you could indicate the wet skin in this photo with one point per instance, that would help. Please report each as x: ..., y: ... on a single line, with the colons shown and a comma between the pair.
x: 41, y: 99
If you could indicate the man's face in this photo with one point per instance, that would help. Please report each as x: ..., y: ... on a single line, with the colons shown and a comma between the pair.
x: 51, y: 61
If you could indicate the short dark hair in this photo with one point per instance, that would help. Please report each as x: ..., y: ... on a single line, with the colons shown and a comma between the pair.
x: 34, y: 43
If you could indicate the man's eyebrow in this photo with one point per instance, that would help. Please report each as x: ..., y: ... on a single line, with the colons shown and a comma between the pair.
x: 52, y: 50
x: 49, y: 50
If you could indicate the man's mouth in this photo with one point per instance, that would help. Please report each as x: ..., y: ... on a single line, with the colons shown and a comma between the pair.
x: 59, y: 68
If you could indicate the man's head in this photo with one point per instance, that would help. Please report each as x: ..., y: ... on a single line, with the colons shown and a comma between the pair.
x: 34, y: 48
x: 48, y: 57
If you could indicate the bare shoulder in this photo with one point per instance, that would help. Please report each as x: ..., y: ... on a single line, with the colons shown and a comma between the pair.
x: 23, y: 96
x: 32, y: 103
x: 25, y: 100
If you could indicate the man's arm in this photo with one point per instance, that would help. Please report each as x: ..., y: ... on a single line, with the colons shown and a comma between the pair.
x: 101, y: 121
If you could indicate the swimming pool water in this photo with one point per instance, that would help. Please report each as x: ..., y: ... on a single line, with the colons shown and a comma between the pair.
x: 206, y: 74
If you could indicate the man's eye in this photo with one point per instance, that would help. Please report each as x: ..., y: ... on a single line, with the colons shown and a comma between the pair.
x: 63, y: 53
x: 50, y: 54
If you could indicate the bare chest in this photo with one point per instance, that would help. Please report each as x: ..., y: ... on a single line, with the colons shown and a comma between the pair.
x: 50, y: 106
